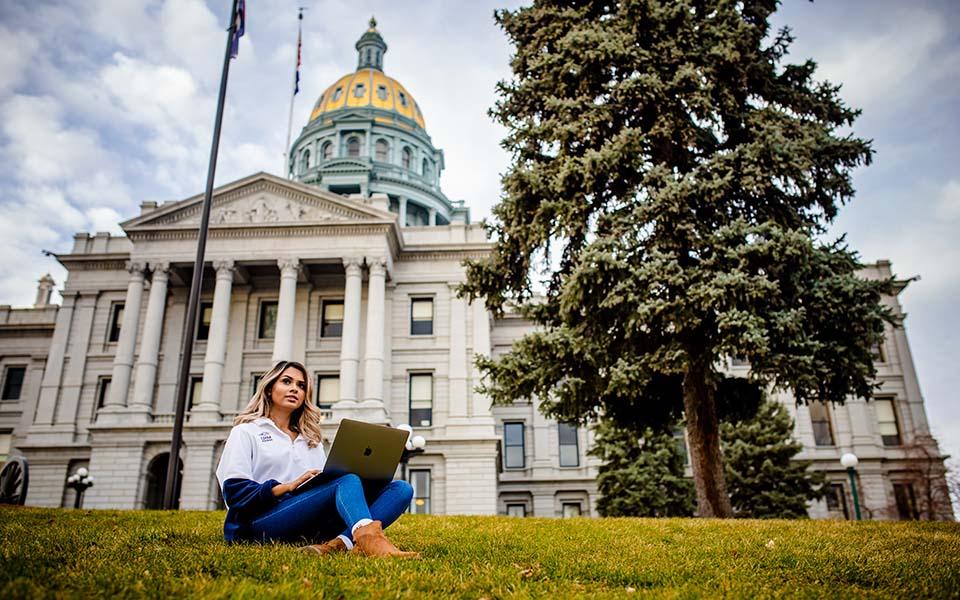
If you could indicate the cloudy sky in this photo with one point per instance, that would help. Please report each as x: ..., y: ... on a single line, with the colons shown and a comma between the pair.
x: 107, y: 103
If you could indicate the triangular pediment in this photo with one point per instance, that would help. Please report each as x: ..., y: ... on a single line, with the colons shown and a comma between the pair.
x: 261, y: 200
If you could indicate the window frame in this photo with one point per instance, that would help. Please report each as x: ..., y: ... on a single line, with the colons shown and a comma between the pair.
x: 323, y: 318
x: 885, y: 439
x: 912, y: 510
x: 103, y: 391
x: 326, y: 150
x: 406, y: 157
x: 196, y: 381
x: 829, y: 424
x: 426, y: 499
x: 522, y: 445
x: 261, y: 313
x: 320, y: 378
x: 575, y: 444
x: 521, y: 505
x: 359, y: 146
x: 384, y: 146
x: 417, y: 423
x: 4, y: 390
x: 575, y: 503
x: 839, y: 494
x: 421, y: 322
x: 203, y: 331
x: 113, y: 327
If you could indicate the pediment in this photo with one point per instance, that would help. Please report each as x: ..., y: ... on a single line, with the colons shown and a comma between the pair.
x: 261, y: 200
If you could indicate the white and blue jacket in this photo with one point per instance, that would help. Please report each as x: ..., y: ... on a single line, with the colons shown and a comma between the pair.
x: 257, y: 457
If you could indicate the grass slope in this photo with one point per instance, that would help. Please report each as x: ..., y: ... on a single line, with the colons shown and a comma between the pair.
x: 105, y: 554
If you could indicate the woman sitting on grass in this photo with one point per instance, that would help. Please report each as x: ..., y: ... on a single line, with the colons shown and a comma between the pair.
x: 274, y: 446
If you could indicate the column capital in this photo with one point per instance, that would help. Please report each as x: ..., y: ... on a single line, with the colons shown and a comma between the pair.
x: 135, y: 267
x: 224, y: 268
x: 289, y: 266
x: 352, y: 264
x: 162, y: 267
x: 377, y: 265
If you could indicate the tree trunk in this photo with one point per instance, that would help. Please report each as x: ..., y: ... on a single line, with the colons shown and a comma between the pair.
x: 703, y: 435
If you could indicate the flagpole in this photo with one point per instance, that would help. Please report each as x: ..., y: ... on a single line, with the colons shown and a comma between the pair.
x: 190, y: 324
x: 296, y: 74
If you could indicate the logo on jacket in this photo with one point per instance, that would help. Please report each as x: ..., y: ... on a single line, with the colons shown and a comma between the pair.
x: 265, y: 437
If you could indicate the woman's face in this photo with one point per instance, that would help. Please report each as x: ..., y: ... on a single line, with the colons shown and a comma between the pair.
x: 289, y: 390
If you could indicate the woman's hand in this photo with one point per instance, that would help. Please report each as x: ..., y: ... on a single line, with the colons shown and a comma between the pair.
x: 286, y: 488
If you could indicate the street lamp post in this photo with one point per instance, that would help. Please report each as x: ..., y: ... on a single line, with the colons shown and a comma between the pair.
x: 850, y: 461
x: 80, y: 481
x: 415, y: 445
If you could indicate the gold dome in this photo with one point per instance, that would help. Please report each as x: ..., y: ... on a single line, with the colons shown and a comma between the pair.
x: 369, y: 88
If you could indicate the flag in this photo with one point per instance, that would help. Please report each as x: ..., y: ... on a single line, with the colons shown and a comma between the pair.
x: 296, y: 78
x: 239, y: 22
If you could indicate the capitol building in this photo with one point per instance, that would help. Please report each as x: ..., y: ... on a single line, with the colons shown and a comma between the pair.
x: 350, y: 265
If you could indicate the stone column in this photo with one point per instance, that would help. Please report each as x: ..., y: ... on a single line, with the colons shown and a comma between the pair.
x: 286, y: 309
x: 403, y: 211
x: 50, y: 386
x: 72, y: 383
x: 150, y: 342
x: 350, y: 336
x: 209, y: 407
x: 123, y: 360
x: 373, y: 361
x: 433, y: 216
x: 457, y: 368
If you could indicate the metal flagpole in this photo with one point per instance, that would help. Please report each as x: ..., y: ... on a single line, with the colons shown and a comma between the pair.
x: 190, y: 325
x: 296, y: 88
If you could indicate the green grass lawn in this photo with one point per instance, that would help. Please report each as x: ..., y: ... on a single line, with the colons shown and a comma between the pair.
x: 106, y: 554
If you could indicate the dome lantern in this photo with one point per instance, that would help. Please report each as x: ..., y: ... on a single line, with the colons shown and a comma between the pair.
x: 371, y: 48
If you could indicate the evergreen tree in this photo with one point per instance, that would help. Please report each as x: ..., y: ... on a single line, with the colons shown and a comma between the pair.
x: 670, y: 184
x: 641, y: 476
x: 762, y: 479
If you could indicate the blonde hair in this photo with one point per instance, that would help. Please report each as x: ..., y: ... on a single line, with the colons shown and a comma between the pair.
x: 305, y: 420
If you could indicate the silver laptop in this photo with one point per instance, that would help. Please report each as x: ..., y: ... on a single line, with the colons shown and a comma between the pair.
x: 372, y: 452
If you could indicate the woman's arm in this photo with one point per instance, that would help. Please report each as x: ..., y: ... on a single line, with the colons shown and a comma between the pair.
x: 285, y: 488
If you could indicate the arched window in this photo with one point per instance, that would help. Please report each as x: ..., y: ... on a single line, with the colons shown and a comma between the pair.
x: 336, y: 94
x: 407, y: 158
x: 157, y: 482
x: 353, y: 146
x: 382, y: 150
x: 326, y: 151
x: 305, y: 161
x: 425, y: 169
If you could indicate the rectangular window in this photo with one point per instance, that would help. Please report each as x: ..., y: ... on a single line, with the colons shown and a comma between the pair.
x: 887, y: 421
x: 328, y: 391
x: 204, y: 316
x: 421, y: 316
x: 420, y: 480
x: 331, y: 322
x: 906, y: 502
x: 116, y: 322
x: 513, y: 445
x: 268, y: 320
x: 196, y: 392
x: 254, y: 382
x: 13, y: 383
x: 820, y: 419
x: 516, y: 510
x: 571, y: 509
x: 569, y: 452
x: 421, y: 399
x: 837, y: 501
x: 103, y: 391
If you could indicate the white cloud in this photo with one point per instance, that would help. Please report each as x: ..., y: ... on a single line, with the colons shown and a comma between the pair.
x: 19, y: 48
x: 40, y: 147
x: 193, y: 36
x: 880, y: 70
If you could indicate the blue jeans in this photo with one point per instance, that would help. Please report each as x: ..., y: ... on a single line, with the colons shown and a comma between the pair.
x: 331, y: 509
